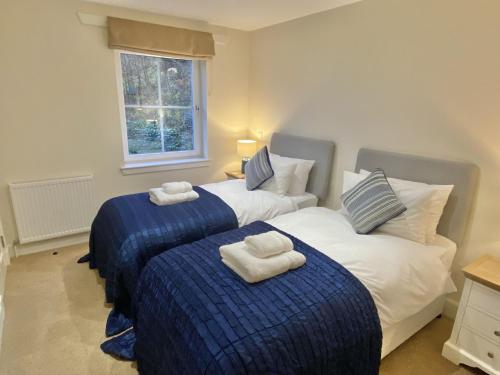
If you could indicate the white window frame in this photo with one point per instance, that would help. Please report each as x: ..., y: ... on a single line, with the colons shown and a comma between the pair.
x: 135, y: 162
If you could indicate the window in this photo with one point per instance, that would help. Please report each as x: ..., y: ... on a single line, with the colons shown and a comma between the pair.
x: 162, y: 107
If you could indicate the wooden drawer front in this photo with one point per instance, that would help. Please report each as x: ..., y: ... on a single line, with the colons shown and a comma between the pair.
x: 485, y: 299
x: 480, y: 348
x: 484, y: 324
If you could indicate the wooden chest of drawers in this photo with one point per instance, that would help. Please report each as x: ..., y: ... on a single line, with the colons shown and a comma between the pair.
x: 475, y: 340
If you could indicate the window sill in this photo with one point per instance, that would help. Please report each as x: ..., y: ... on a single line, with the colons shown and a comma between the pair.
x: 164, y: 165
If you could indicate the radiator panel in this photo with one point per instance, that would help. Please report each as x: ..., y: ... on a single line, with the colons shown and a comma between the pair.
x: 53, y: 208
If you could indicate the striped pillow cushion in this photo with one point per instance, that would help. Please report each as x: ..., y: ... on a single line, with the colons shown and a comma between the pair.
x: 371, y: 203
x: 258, y: 170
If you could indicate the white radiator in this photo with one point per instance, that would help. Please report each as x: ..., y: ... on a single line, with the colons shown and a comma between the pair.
x: 53, y: 208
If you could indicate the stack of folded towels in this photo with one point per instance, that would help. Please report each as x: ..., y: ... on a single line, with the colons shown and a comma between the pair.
x: 262, y: 256
x: 172, y: 193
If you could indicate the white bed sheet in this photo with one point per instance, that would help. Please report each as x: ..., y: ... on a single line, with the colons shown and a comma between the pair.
x: 250, y: 206
x: 402, y: 276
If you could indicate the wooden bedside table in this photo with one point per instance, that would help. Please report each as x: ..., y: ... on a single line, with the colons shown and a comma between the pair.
x: 235, y: 175
x: 475, y: 339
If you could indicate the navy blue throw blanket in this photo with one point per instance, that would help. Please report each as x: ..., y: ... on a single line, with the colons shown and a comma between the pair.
x: 129, y: 230
x: 193, y: 315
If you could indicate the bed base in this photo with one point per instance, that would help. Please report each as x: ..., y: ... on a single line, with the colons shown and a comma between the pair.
x: 395, y: 335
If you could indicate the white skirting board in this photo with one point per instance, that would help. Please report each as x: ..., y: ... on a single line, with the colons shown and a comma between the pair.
x: 53, y: 244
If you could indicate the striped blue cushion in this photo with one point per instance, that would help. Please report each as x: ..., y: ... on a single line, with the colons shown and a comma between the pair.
x: 371, y: 203
x: 258, y: 170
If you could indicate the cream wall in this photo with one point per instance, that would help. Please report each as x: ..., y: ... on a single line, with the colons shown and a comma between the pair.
x: 59, y: 111
x: 415, y: 76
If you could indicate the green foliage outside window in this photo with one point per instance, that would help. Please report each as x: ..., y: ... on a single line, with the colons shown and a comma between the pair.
x: 158, y: 98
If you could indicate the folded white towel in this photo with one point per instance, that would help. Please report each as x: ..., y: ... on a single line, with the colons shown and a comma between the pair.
x: 268, y: 244
x: 176, y: 187
x: 160, y: 198
x: 253, y: 269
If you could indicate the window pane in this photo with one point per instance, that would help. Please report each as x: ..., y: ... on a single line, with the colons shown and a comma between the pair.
x: 140, y: 79
x: 143, y: 131
x: 176, y: 82
x: 178, y: 129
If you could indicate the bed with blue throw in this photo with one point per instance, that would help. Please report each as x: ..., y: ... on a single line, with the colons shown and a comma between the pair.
x: 193, y: 315
x: 129, y: 230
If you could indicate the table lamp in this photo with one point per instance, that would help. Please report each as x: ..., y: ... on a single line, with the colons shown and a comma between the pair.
x: 246, y: 148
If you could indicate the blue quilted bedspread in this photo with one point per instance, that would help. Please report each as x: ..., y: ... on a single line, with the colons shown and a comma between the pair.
x: 129, y: 230
x: 193, y: 315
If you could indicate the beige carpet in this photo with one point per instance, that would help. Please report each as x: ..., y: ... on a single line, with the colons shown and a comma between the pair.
x: 55, y: 322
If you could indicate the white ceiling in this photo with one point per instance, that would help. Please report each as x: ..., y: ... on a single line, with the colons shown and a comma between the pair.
x: 238, y: 14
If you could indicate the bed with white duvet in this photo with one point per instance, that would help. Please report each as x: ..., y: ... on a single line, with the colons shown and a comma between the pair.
x: 402, y: 276
x: 250, y: 206
x: 188, y: 299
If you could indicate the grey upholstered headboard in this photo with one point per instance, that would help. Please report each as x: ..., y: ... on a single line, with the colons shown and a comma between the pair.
x: 322, y: 151
x: 463, y: 175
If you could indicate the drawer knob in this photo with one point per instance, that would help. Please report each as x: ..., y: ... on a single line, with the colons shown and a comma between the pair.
x: 490, y: 354
x: 497, y: 333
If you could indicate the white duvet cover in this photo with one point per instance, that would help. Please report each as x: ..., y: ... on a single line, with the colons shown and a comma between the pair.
x: 402, y: 276
x: 250, y: 206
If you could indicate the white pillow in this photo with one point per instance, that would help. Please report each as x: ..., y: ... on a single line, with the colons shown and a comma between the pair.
x: 437, y: 204
x: 439, y: 200
x: 411, y: 224
x: 301, y: 174
x: 351, y: 179
x: 283, y: 173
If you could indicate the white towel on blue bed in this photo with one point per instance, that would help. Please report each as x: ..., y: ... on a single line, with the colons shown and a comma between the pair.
x: 160, y: 198
x: 253, y: 269
x: 268, y: 244
x: 177, y: 187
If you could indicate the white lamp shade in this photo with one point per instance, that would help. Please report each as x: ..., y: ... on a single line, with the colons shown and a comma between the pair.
x: 246, y: 147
